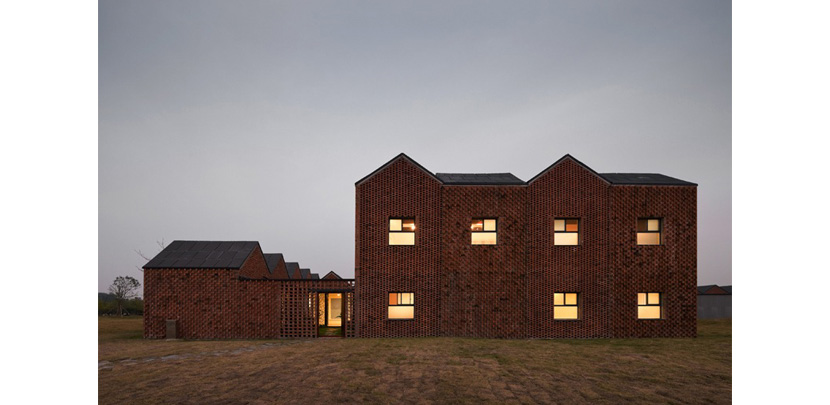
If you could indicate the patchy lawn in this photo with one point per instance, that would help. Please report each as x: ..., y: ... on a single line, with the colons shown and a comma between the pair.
x: 419, y: 370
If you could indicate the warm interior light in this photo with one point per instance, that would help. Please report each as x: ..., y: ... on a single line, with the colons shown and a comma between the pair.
x: 483, y: 238
x: 648, y: 312
x: 558, y: 225
x: 653, y: 298
x: 570, y: 299
x: 648, y: 238
x: 401, y: 312
x: 395, y: 224
x: 558, y: 299
x: 489, y: 224
x: 561, y: 238
x: 335, y: 310
x: 653, y: 224
x: 401, y: 238
x: 477, y: 225
x: 641, y: 299
x: 565, y: 312
x: 572, y: 225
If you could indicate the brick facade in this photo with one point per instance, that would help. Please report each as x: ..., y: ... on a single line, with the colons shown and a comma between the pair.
x: 506, y: 290
x: 229, y: 304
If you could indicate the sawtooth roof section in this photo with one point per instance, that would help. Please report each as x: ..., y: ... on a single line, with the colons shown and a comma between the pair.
x: 644, y: 179
x: 315, y: 276
x: 293, y: 269
x: 332, y: 276
x: 305, y: 274
x: 400, y: 156
x: 273, y: 260
x: 469, y: 179
x: 562, y: 159
x: 190, y: 254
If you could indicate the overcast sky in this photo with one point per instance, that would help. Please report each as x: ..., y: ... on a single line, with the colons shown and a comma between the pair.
x: 252, y: 120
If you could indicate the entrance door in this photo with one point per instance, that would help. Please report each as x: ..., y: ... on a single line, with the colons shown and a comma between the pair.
x: 330, y: 316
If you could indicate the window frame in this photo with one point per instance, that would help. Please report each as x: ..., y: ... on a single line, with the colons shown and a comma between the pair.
x: 659, y: 232
x: 659, y: 305
x: 565, y: 304
x: 578, y: 229
x: 388, y: 305
x: 413, y: 232
x: 495, y: 231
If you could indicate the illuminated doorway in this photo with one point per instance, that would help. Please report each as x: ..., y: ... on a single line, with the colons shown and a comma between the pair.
x: 330, y: 314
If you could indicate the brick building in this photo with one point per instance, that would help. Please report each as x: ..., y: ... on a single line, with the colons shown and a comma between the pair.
x: 571, y: 253
x: 231, y: 290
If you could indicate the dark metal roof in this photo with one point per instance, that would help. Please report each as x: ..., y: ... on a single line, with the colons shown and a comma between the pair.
x: 305, y: 273
x: 644, y: 179
x: 727, y: 288
x: 291, y: 268
x: 190, y: 254
x: 479, y: 178
x: 272, y: 260
x: 315, y: 276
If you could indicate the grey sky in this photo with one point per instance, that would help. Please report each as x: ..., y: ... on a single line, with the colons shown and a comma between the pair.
x: 252, y: 121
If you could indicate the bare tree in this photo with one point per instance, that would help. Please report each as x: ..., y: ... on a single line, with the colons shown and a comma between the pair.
x: 124, y: 288
x: 143, y: 256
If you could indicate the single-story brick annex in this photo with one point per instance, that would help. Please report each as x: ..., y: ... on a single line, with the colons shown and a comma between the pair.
x: 570, y: 253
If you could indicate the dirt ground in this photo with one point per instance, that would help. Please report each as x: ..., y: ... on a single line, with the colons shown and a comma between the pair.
x: 414, y: 370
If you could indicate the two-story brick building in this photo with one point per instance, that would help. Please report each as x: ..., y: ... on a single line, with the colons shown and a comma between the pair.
x: 571, y: 253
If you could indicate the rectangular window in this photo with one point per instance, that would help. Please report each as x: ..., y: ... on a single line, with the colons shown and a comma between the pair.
x: 484, y: 231
x: 649, y: 306
x: 565, y: 306
x: 401, y: 306
x: 401, y: 231
x: 566, y: 231
x: 649, y: 231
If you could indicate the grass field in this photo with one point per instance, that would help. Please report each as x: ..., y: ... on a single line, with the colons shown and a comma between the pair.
x: 413, y: 370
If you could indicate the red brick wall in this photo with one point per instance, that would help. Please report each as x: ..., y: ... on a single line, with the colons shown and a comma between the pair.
x: 569, y: 190
x: 399, y: 190
x: 507, y: 290
x: 670, y: 268
x: 483, y: 287
x: 216, y: 304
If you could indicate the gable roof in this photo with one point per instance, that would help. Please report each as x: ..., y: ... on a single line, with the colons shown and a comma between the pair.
x: 713, y: 289
x: 293, y: 269
x: 191, y: 254
x: 315, y: 276
x: 305, y: 274
x: 332, y: 276
x: 463, y: 179
x: 651, y: 179
x: 272, y: 260
x: 562, y: 159
x: 400, y: 156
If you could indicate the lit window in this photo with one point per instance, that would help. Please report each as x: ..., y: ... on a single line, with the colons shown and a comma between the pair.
x: 649, y: 306
x: 566, y: 231
x: 401, y: 306
x: 401, y: 231
x: 649, y: 231
x: 565, y: 306
x: 484, y: 231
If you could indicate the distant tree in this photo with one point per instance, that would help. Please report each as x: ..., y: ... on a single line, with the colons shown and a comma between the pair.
x: 124, y: 288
